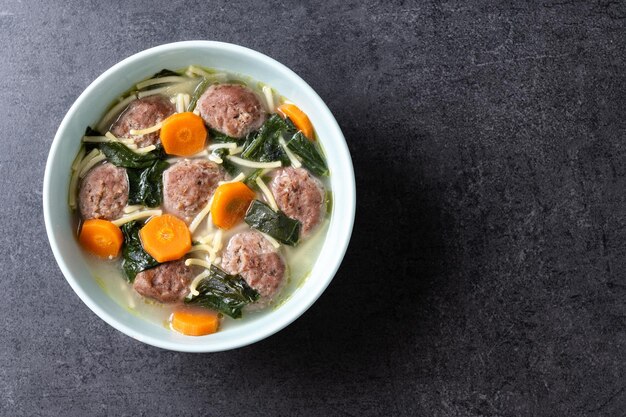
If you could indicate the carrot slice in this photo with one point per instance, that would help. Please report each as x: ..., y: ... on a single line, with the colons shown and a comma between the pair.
x: 299, y: 118
x: 165, y: 238
x: 101, y: 238
x: 183, y: 134
x: 230, y: 203
x: 195, y: 322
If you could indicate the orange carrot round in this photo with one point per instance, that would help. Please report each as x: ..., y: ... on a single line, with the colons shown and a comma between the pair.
x: 194, y: 322
x: 165, y: 238
x: 101, y: 238
x: 230, y: 203
x: 299, y: 118
x: 183, y: 134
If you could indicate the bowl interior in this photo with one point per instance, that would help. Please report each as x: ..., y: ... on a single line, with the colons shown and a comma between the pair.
x: 91, y: 106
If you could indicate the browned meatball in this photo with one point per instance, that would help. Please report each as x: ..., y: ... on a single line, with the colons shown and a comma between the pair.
x: 188, y: 185
x: 300, y: 196
x: 167, y: 283
x: 103, y: 192
x: 140, y: 114
x: 232, y: 109
x: 255, y: 259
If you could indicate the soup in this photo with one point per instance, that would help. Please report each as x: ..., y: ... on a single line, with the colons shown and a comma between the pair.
x: 201, y: 197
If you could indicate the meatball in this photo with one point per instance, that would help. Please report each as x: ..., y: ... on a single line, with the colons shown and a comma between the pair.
x: 103, y: 193
x: 140, y: 114
x: 167, y: 283
x: 232, y: 109
x: 300, y: 196
x: 255, y: 259
x: 188, y: 186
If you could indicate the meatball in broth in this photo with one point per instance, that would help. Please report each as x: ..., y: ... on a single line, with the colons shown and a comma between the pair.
x: 231, y: 109
x: 250, y: 255
x: 188, y: 186
x: 141, y: 114
x: 300, y: 196
x: 167, y: 283
x: 103, y: 192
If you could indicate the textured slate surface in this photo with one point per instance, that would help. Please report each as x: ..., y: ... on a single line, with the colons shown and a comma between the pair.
x: 486, y: 274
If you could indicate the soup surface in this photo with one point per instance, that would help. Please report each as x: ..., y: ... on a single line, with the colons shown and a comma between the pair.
x: 201, y: 198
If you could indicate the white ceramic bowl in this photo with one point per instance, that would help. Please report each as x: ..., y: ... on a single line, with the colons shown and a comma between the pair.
x: 91, y: 106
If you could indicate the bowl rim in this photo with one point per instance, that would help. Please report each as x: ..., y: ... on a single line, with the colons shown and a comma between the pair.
x: 342, y: 241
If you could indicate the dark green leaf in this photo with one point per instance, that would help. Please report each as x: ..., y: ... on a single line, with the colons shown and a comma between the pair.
x: 264, y: 146
x: 228, y: 166
x: 89, y: 146
x: 159, y: 152
x: 121, y: 156
x: 260, y: 216
x: 165, y: 73
x: 290, y: 127
x: 92, y: 132
x: 160, y: 74
x: 308, y: 153
x: 225, y: 293
x: 204, y: 84
x: 219, y: 137
x: 146, y: 185
x: 135, y: 259
x: 250, y: 180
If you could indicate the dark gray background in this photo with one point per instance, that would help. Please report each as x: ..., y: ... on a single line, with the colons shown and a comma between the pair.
x: 486, y: 273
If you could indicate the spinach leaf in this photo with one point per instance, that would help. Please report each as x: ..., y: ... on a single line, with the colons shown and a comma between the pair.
x: 219, y: 137
x: 289, y: 126
x: 160, y: 74
x: 311, y: 157
x: 92, y: 132
x: 228, y: 294
x: 204, y: 84
x: 264, y: 146
x: 89, y: 146
x: 250, y: 180
x: 135, y: 259
x: 146, y: 186
x: 260, y: 216
x: 159, y: 152
x: 228, y: 166
x: 119, y: 155
x: 165, y: 73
